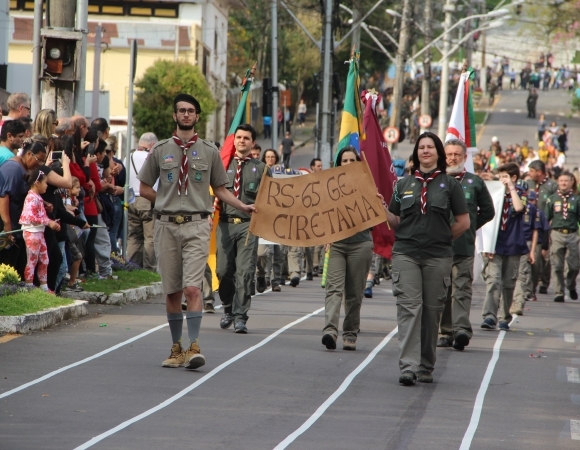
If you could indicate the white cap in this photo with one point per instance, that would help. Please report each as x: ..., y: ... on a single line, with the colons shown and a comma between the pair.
x: 494, y: 139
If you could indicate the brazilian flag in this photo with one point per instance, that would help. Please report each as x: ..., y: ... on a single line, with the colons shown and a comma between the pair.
x: 351, y: 129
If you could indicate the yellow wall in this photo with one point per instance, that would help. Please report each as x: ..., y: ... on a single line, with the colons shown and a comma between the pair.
x: 115, y: 64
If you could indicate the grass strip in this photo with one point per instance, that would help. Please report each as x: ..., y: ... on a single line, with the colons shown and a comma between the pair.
x: 32, y: 301
x: 126, y: 280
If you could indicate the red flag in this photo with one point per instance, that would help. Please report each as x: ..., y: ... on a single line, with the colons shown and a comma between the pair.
x: 377, y: 155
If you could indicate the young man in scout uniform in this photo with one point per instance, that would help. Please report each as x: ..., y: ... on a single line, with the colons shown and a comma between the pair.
x: 236, y: 247
x: 455, y: 328
x: 544, y: 187
x: 186, y: 168
x: 563, y: 210
x: 500, y: 269
x: 524, y: 285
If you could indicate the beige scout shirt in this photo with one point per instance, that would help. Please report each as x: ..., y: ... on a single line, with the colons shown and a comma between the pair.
x: 205, y: 169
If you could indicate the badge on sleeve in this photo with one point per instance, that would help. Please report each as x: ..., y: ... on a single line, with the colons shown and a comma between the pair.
x: 194, y: 153
x: 170, y: 177
x: 252, y: 186
x: 197, y: 176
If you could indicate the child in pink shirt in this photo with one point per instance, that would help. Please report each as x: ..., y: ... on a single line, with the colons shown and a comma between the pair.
x: 33, y: 220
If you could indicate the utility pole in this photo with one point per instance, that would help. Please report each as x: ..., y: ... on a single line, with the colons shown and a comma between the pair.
x: 274, y: 75
x: 483, y: 70
x: 426, y: 84
x: 449, y: 8
x: 97, y: 73
x: 326, y: 81
x: 83, y: 28
x: 36, y: 58
x: 4, y: 39
x: 59, y: 94
x: 356, y: 33
x: 404, y: 38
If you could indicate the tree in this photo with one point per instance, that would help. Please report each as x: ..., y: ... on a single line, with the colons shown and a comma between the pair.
x: 153, y: 108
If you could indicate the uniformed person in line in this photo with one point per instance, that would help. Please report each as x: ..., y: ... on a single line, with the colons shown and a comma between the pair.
x: 524, y: 286
x: 563, y: 211
x: 295, y: 256
x: 500, y: 269
x: 236, y: 260
x: 348, y: 265
x: 420, y: 213
x: 543, y: 247
x: 544, y: 187
x: 186, y: 168
x: 455, y: 329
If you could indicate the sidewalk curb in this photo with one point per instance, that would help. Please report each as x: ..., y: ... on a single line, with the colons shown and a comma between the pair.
x: 43, y: 319
x: 123, y: 297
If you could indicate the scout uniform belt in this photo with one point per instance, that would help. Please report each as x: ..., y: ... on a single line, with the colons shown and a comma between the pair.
x: 235, y: 220
x: 564, y: 230
x: 181, y: 219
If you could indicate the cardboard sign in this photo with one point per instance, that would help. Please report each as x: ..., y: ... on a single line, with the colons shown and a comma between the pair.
x: 318, y: 208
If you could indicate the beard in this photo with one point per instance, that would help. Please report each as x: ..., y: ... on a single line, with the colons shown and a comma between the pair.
x: 184, y: 127
x: 456, y: 169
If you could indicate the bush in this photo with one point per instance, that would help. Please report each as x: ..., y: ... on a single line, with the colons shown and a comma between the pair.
x: 153, y: 110
x: 8, y: 275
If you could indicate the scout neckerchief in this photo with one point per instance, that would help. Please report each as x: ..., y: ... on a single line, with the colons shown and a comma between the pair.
x: 184, y: 170
x: 459, y: 177
x: 539, y: 185
x: 564, y: 202
x: 505, y: 211
x: 238, y: 178
x: 424, y: 187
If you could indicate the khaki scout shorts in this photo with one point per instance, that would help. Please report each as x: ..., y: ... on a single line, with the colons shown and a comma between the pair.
x: 181, y: 252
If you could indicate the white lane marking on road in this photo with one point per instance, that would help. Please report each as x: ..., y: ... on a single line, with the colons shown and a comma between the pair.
x: 575, y: 430
x: 573, y: 375
x: 517, y: 111
x: 198, y: 383
x: 98, y: 355
x: 503, y: 110
x: 330, y: 400
x: 78, y: 363
x: 388, y: 291
x: 569, y: 337
x: 478, y: 406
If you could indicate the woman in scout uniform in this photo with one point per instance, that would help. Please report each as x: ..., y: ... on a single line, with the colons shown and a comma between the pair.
x: 420, y: 212
x: 348, y: 266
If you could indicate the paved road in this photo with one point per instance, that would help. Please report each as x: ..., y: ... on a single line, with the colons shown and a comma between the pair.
x: 83, y: 385
x: 257, y: 390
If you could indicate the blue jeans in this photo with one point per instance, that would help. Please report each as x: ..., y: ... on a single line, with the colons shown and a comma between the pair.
x: 63, y: 267
x: 117, y: 219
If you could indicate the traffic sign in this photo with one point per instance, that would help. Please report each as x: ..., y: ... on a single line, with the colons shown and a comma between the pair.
x: 391, y: 134
x: 425, y: 121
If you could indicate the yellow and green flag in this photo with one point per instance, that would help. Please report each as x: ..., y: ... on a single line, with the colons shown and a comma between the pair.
x: 351, y: 129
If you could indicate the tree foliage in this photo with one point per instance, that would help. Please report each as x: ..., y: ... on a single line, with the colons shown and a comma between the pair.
x: 153, y: 108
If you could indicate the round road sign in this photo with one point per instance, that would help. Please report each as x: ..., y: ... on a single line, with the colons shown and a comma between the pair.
x: 391, y: 134
x: 425, y: 121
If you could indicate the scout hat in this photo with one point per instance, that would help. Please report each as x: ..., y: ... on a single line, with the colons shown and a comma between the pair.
x: 189, y: 99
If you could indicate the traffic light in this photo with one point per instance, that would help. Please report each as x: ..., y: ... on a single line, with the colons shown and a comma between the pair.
x: 267, y: 97
x: 61, y: 54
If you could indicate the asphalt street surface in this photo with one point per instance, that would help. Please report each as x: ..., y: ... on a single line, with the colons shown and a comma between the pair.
x: 97, y: 382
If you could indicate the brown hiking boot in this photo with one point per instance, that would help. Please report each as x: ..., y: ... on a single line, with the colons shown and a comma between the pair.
x: 193, y: 357
x: 177, y: 357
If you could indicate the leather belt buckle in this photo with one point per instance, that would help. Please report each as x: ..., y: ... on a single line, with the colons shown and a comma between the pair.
x: 179, y: 219
x: 237, y: 220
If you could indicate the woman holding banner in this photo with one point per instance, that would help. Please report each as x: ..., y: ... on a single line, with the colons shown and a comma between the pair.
x: 420, y: 212
x: 348, y: 265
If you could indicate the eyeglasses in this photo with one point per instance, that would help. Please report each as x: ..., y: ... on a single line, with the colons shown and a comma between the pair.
x: 40, y: 174
x: 182, y: 111
x: 38, y: 160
